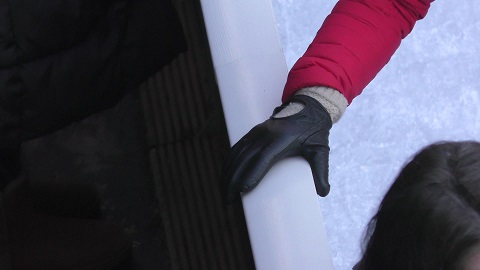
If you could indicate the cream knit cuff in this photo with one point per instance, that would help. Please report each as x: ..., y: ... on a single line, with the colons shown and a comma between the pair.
x: 333, y: 101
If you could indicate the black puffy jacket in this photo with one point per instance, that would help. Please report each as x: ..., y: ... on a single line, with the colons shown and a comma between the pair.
x: 62, y: 60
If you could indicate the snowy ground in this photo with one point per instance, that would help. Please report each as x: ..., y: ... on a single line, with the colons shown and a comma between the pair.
x: 427, y: 93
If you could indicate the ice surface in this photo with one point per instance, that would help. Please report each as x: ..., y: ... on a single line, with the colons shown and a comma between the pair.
x: 428, y: 92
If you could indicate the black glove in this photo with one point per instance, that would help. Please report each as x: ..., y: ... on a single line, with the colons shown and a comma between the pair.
x: 302, y: 134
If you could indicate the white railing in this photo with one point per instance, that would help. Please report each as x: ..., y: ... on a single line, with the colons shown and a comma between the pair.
x: 283, y: 214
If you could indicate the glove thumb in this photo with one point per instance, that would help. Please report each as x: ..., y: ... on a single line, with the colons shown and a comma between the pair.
x: 317, y: 157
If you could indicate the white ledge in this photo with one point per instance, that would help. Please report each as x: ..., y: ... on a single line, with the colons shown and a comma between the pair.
x: 283, y: 215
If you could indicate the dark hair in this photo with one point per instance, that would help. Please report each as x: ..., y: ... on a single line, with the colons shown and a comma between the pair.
x: 429, y: 218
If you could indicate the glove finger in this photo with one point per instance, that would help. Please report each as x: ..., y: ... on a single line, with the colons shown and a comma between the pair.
x: 234, y: 157
x: 238, y: 152
x: 235, y: 181
x: 239, y: 155
x: 230, y: 168
x: 318, y: 158
x: 253, y: 166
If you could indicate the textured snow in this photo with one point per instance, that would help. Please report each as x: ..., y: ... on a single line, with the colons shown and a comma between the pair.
x: 427, y: 93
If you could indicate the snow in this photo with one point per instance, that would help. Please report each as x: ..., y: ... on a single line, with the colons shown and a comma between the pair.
x: 427, y: 93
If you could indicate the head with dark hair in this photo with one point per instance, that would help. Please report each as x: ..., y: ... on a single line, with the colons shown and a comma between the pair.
x: 430, y: 217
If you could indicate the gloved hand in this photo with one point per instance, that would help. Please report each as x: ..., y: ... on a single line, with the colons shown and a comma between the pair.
x: 302, y: 134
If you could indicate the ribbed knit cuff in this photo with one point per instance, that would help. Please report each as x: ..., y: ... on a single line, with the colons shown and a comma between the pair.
x: 332, y: 100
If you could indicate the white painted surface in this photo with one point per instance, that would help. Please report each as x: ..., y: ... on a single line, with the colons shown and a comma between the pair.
x: 283, y: 214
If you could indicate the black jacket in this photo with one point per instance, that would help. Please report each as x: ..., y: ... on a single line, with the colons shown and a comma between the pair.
x: 62, y: 60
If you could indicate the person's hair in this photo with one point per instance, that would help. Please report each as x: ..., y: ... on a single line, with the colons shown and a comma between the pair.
x: 429, y: 218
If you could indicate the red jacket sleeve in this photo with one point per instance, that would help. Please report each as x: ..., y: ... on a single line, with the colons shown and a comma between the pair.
x: 354, y: 43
